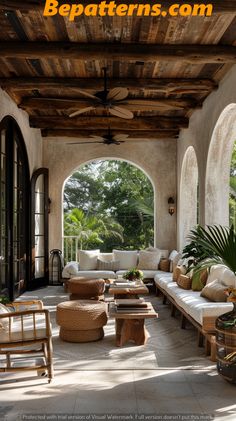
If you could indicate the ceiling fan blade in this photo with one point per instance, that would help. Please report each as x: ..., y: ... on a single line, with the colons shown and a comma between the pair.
x: 121, y: 137
x: 82, y: 111
x: 117, y: 94
x: 87, y: 94
x: 121, y: 112
x: 82, y: 143
x: 98, y: 138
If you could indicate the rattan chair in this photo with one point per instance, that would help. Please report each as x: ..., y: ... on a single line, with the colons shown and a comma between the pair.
x: 25, y: 332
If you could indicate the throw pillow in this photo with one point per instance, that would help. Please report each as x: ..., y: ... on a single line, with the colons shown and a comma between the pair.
x: 199, y: 280
x: 112, y: 265
x: 128, y: 259
x: 164, y: 265
x: 184, y: 282
x: 70, y: 270
x: 174, y: 257
x: 179, y: 270
x: 163, y: 253
x: 148, y: 260
x: 214, y: 291
x: 88, y: 259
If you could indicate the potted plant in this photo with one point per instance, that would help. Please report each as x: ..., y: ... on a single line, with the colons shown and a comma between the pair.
x: 4, y: 300
x: 133, y: 275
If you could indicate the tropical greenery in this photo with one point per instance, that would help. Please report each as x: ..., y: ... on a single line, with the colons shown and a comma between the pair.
x: 109, y: 204
x: 91, y: 230
x: 133, y: 274
x: 232, y: 194
x: 214, y: 245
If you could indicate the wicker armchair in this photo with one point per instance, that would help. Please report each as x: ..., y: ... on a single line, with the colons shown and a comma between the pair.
x: 25, y: 332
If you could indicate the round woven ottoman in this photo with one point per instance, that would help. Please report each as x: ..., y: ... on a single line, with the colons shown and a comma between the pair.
x: 82, y: 288
x: 81, y: 320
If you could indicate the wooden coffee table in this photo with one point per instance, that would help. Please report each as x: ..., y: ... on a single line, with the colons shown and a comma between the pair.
x: 120, y: 290
x: 130, y: 321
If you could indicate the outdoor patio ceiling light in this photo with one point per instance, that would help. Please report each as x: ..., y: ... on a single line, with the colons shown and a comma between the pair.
x: 171, y: 206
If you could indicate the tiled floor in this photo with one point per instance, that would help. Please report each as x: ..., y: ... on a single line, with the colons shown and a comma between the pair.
x: 101, y: 379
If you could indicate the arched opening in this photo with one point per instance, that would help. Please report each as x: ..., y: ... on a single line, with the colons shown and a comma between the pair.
x: 232, y: 189
x: 218, y: 168
x: 188, y: 213
x: 108, y: 204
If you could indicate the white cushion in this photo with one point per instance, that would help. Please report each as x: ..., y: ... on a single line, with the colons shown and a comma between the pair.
x: 162, y: 279
x: 223, y: 273
x: 16, y: 333
x: 174, y: 257
x: 71, y: 269
x: 128, y: 259
x: 96, y: 274
x: 163, y: 253
x: 4, y: 322
x: 106, y: 257
x: 148, y: 260
x: 88, y: 259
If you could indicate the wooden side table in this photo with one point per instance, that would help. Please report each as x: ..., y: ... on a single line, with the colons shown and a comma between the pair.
x: 130, y: 322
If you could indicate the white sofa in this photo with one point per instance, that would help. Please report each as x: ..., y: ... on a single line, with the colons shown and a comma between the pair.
x: 197, y: 309
x: 127, y: 260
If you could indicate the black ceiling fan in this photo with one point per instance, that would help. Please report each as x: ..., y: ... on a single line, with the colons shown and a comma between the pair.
x: 107, y: 139
x: 108, y: 99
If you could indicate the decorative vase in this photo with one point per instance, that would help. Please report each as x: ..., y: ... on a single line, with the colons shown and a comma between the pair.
x: 226, y: 344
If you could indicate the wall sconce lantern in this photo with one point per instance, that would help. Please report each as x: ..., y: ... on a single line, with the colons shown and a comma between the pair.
x: 49, y: 205
x: 171, y: 206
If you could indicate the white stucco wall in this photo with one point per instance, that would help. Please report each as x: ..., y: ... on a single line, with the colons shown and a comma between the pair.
x: 32, y: 137
x: 199, y: 135
x: 156, y: 158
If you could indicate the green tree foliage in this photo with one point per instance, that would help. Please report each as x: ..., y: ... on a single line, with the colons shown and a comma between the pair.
x: 115, y: 191
x: 232, y: 194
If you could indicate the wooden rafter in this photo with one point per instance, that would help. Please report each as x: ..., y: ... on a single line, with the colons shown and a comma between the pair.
x: 193, y: 54
x: 137, y: 104
x: 94, y: 123
x: 219, y: 6
x: 135, y: 134
x: 166, y: 85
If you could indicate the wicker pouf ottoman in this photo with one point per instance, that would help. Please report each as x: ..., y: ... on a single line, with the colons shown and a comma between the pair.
x: 82, y: 288
x: 81, y: 320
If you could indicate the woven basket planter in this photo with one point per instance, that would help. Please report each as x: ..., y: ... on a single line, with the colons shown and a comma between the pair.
x: 164, y: 265
x: 184, y: 282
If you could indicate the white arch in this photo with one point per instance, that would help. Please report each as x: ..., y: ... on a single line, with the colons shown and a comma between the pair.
x: 218, y: 168
x: 187, y: 210
x: 134, y: 164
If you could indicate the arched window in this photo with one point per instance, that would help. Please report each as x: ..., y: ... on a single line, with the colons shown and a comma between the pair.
x: 14, y: 213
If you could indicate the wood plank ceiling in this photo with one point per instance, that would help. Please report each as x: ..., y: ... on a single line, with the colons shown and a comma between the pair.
x: 169, y: 65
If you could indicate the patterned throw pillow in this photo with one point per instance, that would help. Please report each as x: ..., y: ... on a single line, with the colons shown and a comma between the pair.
x: 113, y: 265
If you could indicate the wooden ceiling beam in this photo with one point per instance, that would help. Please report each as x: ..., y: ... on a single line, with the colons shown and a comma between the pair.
x: 162, y: 85
x: 137, y: 104
x: 96, y: 123
x: 193, y: 54
x: 135, y: 134
x: 219, y: 6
